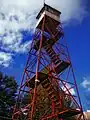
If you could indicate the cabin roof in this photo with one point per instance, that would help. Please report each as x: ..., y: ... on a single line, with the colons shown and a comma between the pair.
x: 41, y: 11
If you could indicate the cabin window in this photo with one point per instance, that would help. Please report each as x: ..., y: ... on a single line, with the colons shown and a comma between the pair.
x: 52, y: 11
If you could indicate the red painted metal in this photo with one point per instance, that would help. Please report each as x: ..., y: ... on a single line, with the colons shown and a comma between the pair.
x: 48, y: 65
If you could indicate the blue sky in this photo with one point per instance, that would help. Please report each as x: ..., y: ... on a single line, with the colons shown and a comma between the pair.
x: 17, y: 20
x: 78, y: 38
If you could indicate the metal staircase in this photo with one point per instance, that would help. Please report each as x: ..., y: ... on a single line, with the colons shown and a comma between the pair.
x: 59, y: 65
x: 52, y: 93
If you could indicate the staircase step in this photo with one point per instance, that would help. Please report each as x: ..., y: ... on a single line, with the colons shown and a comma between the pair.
x: 47, y: 48
x: 57, y: 104
x: 45, y: 81
x: 53, y: 96
x: 54, y: 59
x: 52, y: 56
x: 57, y: 61
x: 46, y: 86
x: 49, y: 52
x: 49, y: 88
x: 50, y: 93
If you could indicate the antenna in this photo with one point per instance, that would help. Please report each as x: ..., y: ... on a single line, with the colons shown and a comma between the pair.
x: 43, y: 2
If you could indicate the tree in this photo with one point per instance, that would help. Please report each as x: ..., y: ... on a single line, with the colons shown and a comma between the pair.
x: 8, y: 89
x: 87, y: 96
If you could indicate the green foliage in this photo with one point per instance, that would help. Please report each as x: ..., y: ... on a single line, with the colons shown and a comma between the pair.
x: 8, y: 89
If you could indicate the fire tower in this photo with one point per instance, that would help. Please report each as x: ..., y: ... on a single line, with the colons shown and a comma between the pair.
x: 48, y: 89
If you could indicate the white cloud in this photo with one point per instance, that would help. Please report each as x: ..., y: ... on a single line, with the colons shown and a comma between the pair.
x: 22, y: 48
x: 11, y: 38
x: 5, y: 59
x: 88, y: 110
x: 18, y: 15
x: 71, y: 9
x: 70, y: 89
x: 12, y: 42
x: 86, y: 83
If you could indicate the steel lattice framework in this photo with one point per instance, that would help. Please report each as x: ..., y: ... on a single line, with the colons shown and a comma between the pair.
x: 48, y: 79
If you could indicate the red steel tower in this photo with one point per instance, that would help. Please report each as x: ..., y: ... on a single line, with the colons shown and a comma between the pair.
x: 48, y: 80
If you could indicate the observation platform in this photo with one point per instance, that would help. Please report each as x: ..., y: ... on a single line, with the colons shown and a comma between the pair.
x: 60, y: 67
x: 69, y: 113
x: 41, y: 77
x: 64, y: 114
x: 43, y: 74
